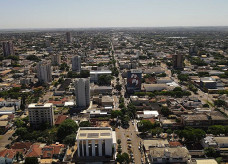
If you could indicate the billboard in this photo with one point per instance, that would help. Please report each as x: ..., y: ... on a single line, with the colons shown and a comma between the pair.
x: 134, y: 80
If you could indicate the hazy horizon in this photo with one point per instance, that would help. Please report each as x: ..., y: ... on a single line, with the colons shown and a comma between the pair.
x: 49, y: 14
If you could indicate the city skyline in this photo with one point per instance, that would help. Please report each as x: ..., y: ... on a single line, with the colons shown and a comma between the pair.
x: 100, y: 13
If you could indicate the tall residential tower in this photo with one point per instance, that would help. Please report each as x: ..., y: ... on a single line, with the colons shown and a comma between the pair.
x: 44, y: 72
x: 7, y: 48
x: 76, y: 63
x: 82, y: 92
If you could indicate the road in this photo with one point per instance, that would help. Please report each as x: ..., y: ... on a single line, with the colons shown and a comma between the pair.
x: 4, y: 139
x: 129, y: 139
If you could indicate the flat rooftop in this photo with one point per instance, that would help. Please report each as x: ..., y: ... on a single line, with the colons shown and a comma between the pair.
x: 46, y: 105
x: 94, y: 133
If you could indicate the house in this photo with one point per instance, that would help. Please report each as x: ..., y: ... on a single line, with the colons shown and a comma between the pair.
x: 169, y: 155
x: 55, y: 151
x: 7, y: 156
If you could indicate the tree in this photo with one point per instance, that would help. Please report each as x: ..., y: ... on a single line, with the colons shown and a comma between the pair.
x: 104, y: 79
x: 22, y: 133
x: 116, y: 113
x: 123, y: 158
x: 216, y: 129
x: 182, y: 77
x: 169, y: 131
x: 219, y: 103
x: 131, y: 108
x: 118, y: 87
x: 68, y: 127
x: 85, y: 124
x: 19, y: 123
x: 210, y: 152
x: 119, y: 141
x: 31, y: 160
x: 70, y: 140
x: 157, y: 131
x: 33, y: 58
x: 192, y: 135
x: 145, y: 125
x: 165, y: 111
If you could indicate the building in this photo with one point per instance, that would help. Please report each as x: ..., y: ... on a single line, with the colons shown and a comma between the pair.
x: 55, y: 59
x: 201, y: 120
x: 94, y: 75
x: 178, y: 61
x: 68, y: 37
x: 96, y: 141
x: 40, y: 114
x: 207, y: 83
x: 76, y: 63
x: 169, y: 155
x: 193, y: 50
x: 7, y: 48
x: 44, y: 72
x: 82, y: 92
x: 134, y: 80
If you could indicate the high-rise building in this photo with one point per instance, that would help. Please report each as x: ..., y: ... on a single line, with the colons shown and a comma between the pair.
x: 7, y: 48
x: 68, y: 37
x: 40, y: 114
x: 193, y: 50
x: 82, y: 92
x: 56, y: 59
x: 178, y: 61
x: 76, y: 63
x: 44, y: 72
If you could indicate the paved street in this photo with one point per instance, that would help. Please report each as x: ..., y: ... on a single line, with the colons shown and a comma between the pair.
x: 4, y: 139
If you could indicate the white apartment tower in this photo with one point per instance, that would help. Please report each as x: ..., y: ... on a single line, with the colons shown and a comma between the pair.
x: 76, y: 63
x: 56, y: 59
x: 41, y: 113
x: 82, y: 92
x: 44, y: 72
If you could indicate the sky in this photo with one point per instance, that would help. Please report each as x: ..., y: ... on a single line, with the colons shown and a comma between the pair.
x: 111, y: 13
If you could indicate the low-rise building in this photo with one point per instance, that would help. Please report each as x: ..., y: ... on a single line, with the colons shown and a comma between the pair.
x: 169, y: 155
x: 95, y: 141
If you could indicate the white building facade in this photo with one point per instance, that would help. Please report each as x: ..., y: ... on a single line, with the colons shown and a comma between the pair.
x: 44, y: 72
x: 82, y: 92
x: 96, y: 141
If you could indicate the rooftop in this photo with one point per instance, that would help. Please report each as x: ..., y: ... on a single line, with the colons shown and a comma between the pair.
x: 47, y: 105
x: 94, y: 133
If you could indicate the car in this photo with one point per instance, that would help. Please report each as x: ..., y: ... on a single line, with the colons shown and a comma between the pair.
x: 129, y: 146
x: 139, y: 147
x: 128, y: 139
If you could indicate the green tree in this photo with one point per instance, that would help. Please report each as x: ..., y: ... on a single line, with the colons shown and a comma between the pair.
x: 123, y: 158
x: 210, y: 152
x: 85, y: 124
x: 70, y: 140
x: 68, y: 127
x: 183, y: 77
x: 19, y: 123
x: 219, y: 103
x: 145, y: 125
x: 31, y: 160
x: 217, y: 129
x: 165, y: 111
x: 116, y: 113
x: 104, y: 79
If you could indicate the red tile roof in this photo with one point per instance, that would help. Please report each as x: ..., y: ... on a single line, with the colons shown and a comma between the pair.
x: 34, y: 151
x: 175, y: 143
x: 21, y: 145
x: 60, y: 119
